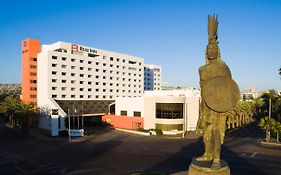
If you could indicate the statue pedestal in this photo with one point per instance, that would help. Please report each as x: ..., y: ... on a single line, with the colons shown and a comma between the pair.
x: 203, y: 168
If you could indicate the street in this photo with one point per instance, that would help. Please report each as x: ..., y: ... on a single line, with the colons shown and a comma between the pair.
x: 116, y: 152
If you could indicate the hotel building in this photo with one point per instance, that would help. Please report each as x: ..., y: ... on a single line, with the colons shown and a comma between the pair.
x: 64, y: 79
x: 58, y: 76
x: 152, y: 77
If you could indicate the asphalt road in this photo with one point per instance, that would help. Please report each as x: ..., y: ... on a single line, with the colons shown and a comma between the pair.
x: 116, y: 152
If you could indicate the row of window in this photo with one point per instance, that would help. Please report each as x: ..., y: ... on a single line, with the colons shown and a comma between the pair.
x: 96, y: 90
x: 83, y: 96
x: 89, y: 82
x: 147, y: 74
x: 97, y: 70
x: 90, y: 62
x: 89, y: 68
x: 155, y: 69
x: 136, y: 113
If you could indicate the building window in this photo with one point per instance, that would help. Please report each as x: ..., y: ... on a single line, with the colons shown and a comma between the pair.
x: 63, y: 81
x: 72, y: 81
x: 72, y: 96
x: 81, y: 82
x: 89, y: 76
x: 89, y: 89
x: 54, y: 57
x: 81, y: 89
x: 33, y: 81
x: 33, y: 96
x: 63, y: 88
x: 97, y: 96
x: 137, y: 114
x: 89, y: 69
x: 89, y: 62
x: 63, y: 66
x: 54, y: 96
x: 63, y: 73
x: 104, y: 64
x: 33, y: 73
x: 89, y: 82
x: 81, y: 61
x: 89, y: 96
x: 33, y: 66
x: 72, y: 74
x: 169, y: 110
x: 104, y: 97
x: 81, y: 75
x: 81, y: 68
x: 34, y: 59
x: 97, y: 90
x: 97, y: 83
x: 54, y: 72
x: 63, y: 96
x: 54, y: 88
x: 33, y: 88
x: 81, y: 96
x: 123, y: 113
x: 72, y: 89
x: 63, y: 58
x: 72, y: 60
x: 73, y: 67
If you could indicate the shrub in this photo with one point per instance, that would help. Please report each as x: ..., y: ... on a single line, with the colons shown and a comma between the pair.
x: 159, y: 132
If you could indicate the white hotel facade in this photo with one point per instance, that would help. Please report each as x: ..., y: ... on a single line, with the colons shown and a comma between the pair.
x: 73, y: 72
x: 62, y: 76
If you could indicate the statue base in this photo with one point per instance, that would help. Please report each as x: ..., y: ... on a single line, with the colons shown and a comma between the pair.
x: 203, y: 168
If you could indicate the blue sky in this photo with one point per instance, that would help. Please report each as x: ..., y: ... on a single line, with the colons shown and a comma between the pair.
x: 171, y: 33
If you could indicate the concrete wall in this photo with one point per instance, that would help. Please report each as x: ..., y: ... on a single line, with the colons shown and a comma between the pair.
x: 124, y: 122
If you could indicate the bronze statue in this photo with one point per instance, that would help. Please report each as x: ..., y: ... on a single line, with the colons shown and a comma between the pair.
x: 219, y: 94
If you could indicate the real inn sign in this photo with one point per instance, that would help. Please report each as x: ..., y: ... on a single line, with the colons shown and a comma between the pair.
x: 77, y: 48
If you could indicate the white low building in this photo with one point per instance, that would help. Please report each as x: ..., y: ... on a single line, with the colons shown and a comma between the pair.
x: 171, y: 111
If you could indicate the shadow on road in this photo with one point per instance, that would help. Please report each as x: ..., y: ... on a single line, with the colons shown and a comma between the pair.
x: 180, y: 161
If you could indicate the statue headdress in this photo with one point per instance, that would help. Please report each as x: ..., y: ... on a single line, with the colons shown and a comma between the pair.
x: 212, y: 38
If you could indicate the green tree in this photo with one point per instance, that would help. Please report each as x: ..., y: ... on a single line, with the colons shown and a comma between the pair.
x: 267, y: 124
x: 277, y: 130
x: 17, y: 112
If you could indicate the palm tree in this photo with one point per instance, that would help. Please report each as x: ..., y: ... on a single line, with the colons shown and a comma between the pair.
x: 266, y: 124
x: 279, y: 71
x: 277, y: 130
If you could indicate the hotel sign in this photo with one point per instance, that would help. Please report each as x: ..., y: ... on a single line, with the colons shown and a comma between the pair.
x: 78, y: 48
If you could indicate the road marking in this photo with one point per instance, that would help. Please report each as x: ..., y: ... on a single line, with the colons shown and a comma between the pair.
x: 253, y: 155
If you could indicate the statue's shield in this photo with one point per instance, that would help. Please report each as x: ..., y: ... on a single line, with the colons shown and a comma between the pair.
x: 221, y: 94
